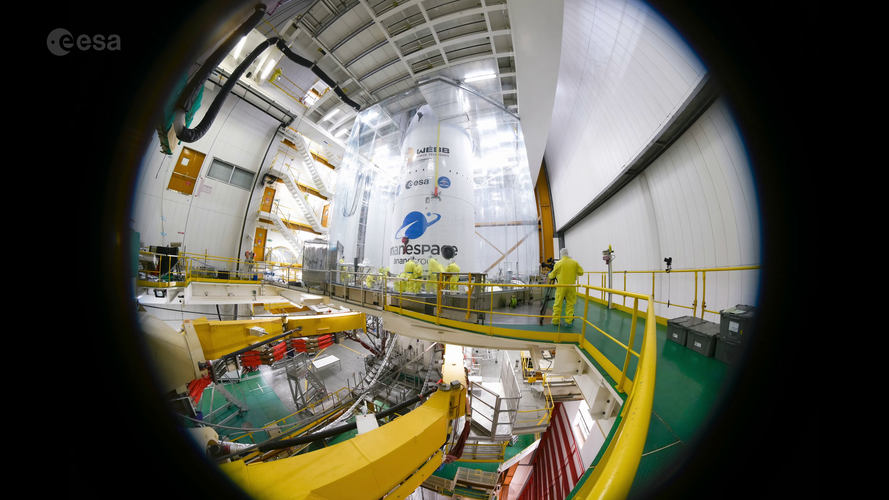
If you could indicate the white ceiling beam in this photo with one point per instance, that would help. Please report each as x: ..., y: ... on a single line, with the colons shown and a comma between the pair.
x: 466, y: 38
x: 434, y: 33
x: 335, y: 59
x: 392, y: 12
x: 321, y: 100
x: 449, y: 17
x: 466, y: 60
x: 394, y: 45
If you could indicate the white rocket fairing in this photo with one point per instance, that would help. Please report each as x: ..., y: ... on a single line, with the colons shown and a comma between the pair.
x: 435, y: 198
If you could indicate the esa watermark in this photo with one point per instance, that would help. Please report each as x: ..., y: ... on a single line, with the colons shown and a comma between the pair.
x: 60, y: 41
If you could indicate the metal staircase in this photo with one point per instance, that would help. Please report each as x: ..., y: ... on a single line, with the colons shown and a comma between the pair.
x: 307, y: 210
x: 295, y: 242
x: 305, y: 387
x: 306, y: 155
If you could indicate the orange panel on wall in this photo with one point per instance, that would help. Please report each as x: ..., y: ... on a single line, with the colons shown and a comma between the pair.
x: 259, y: 244
x: 186, y: 170
x: 268, y: 197
x: 544, y: 214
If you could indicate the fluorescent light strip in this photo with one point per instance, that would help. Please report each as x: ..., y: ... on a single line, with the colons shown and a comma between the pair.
x: 331, y: 114
x: 479, y: 77
x: 238, y: 47
x: 268, y: 69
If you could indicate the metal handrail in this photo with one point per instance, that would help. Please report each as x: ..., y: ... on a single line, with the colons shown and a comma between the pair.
x: 694, y: 305
x: 613, y: 476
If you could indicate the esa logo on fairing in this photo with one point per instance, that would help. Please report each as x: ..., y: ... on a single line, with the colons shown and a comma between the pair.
x: 409, y: 184
x: 415, y: 225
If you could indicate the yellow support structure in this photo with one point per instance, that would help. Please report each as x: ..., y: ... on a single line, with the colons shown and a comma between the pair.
x: 219, y: 338
x: 396, y: 456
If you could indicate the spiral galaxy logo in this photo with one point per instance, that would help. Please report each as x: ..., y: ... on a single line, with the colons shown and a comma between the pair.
x: 415, y: 225
x: 60, y: 42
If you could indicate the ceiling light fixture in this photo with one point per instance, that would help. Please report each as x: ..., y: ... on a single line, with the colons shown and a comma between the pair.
x: 268, y: 69
x: 238, y: 47
x: 479, y: 77
x: 341, y: 132
x: 331, y: 114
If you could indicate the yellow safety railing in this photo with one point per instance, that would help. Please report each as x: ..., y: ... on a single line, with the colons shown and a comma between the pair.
x: 538, y: 416
x: 697, y: 272
x: 191, y: 267
x: 205, y: 268
x: 289, y: 271
x: 613, y: 476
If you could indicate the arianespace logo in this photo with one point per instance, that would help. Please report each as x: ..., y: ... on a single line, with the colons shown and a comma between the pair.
x: 415, y: 225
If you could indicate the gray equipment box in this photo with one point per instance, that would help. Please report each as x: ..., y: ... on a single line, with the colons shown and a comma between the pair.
x: 727, y: 350
x: 735, y: 321
x: 702, y: 338
x: 677, y: 328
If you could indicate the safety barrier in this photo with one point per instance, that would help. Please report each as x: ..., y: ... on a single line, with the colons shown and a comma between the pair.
x: 188, y: 268
x: 614, y: 474
x: 537, y: 416
x: 694, y: 304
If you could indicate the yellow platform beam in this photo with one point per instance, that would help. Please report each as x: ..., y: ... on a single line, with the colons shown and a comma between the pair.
x: 367, y: 466
x: 219, y: 338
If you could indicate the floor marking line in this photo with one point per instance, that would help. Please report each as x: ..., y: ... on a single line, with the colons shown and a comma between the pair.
x: 667, y: 426
x: 353, y: 350
x: 659, y: 449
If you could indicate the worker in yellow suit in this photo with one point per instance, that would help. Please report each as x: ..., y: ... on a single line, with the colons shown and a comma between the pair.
x: 344, y: 276
x: 566, y: 271
x: 372, y: 280
x: 453, y: 268
x: 415, y: 272
x: 384, y: 273
x: 400, y: 285
x: 434, y: 269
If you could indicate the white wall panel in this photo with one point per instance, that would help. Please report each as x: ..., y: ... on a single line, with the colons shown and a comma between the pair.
x: 623, y: 73
x: 697, y: 204
x: 212, y: 218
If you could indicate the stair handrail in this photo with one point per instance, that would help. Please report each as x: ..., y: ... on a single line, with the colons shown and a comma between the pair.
x: 304, y: 196
x: 285, y: 217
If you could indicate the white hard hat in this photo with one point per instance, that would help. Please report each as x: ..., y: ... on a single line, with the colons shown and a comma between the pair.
x: 563, y: 252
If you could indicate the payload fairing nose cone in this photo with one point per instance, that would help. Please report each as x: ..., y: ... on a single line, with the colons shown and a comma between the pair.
x: 435, y: 200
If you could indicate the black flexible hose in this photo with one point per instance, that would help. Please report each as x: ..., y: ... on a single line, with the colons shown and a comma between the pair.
x: 320, y: 74
x: 193, y: 135
x: 186, y: 98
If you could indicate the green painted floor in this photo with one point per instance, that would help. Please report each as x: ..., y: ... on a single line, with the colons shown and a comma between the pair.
x: 264, y: 406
